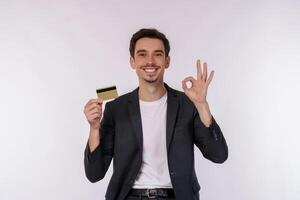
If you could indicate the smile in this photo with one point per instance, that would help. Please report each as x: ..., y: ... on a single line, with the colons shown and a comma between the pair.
x: 150, y: 69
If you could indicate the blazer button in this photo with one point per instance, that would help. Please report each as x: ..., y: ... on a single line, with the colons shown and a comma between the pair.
x: 172, y: 173
x: 215, y: 135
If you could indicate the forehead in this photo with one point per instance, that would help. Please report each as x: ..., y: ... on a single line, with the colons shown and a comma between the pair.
x: 149, y: 44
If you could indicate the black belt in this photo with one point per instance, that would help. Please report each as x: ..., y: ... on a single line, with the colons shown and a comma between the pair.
x: 152, y: 193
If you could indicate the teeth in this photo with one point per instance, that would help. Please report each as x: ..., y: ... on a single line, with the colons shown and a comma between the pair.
x: 150, y: 70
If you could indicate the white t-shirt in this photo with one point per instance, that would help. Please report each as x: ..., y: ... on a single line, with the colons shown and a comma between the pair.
x: 154, y: 172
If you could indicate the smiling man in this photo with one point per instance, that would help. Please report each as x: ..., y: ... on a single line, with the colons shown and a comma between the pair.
x: 150, y: 133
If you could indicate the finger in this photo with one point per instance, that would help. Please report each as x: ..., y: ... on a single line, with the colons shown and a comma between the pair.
x: 91, y: 103
x: 204, y: 77
x: 94, y: 101
x: 199, y: 72
x: 190, y: 78
x: 93, y: 106
x: 99, y: 100
x: 184, y: 87
x: 95, y: 110
x: 94, y: 116
x: 184, y: 82
x: 211, y: 75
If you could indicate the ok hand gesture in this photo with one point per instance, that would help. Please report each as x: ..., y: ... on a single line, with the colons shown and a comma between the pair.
x: 198, y: 91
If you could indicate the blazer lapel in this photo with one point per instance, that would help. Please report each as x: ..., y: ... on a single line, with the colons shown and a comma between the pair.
x: 172, y: 110
x: 135, y: 116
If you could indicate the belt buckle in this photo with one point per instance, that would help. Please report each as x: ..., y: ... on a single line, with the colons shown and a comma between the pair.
x: 149, y: 195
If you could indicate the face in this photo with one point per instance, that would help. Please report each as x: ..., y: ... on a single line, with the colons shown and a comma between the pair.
x: 150, y: 60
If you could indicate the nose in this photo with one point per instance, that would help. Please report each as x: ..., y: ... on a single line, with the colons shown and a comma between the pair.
x: 150, y: 59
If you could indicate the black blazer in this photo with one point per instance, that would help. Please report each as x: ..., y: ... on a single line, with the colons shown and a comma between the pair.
x: 122, y: 139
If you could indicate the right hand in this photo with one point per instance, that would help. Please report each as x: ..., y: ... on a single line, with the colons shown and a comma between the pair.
x: 93, y: 112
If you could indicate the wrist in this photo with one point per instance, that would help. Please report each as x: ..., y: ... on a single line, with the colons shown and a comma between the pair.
x: 201, y: 105
x: 204, y: 113
x: 94, y: 139
x: 94, y: 132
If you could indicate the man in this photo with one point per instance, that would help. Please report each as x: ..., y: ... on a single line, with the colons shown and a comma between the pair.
x: 151, y: 131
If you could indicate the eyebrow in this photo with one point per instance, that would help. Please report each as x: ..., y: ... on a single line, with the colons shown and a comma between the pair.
x: 143, y: 51
x: 159, y: 51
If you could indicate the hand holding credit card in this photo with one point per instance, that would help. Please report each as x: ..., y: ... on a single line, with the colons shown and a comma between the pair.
x: 107, y: 93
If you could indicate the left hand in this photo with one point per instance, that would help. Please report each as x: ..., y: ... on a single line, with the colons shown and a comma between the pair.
x: 198, y: 91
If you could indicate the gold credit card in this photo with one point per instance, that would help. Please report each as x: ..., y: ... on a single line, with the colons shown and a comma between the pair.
x: 107, y: 93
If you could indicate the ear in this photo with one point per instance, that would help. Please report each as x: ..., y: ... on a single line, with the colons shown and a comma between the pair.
x: 132, y: 62
x: 168, y: 60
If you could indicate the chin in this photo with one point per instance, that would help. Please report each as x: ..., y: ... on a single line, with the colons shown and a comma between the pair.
x: 151, y: 81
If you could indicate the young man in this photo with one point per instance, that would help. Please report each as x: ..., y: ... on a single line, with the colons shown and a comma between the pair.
x: 151, y: 131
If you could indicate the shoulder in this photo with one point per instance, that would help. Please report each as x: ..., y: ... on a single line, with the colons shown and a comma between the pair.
x: 181, y: 96
x: 119, y: 101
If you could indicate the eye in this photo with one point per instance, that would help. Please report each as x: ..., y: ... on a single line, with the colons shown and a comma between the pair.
x: 141, y: 54
x: 159, y: 54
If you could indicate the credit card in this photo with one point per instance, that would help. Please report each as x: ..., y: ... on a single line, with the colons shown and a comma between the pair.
x: 107, y: 93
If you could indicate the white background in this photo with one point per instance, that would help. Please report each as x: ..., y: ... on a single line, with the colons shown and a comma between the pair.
x: 54, y: 54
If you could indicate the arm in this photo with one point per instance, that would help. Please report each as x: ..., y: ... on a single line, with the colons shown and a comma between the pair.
x: 208, y: 136
x: 99, y: 149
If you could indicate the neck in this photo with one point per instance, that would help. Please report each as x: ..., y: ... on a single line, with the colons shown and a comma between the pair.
x: 151, y: 92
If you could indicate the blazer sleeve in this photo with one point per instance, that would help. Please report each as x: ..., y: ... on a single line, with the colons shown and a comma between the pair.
x: 210, y: 140
x: 96, y: 163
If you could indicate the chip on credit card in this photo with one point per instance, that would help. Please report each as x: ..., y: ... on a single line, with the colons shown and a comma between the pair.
x: 107, y: 93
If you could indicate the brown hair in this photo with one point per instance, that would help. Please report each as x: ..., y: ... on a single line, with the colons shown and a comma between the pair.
x: 148, y: 33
